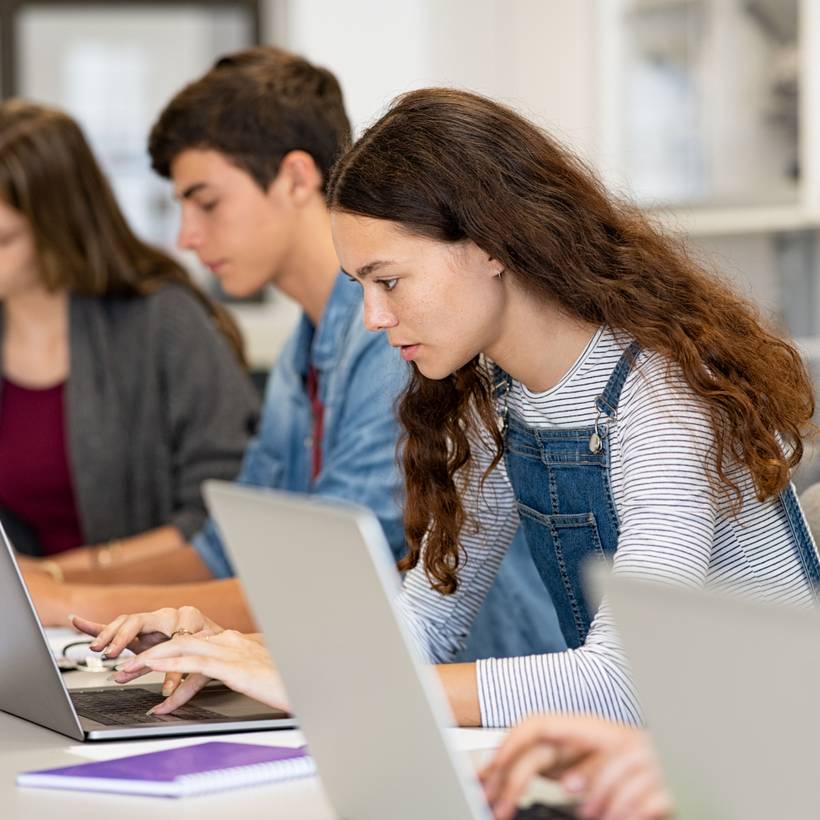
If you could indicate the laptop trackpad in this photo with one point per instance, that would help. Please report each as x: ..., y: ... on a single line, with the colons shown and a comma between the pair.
x: 219, y: 698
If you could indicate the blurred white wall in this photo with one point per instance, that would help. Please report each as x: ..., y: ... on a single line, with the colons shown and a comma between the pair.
x: 538, y: 55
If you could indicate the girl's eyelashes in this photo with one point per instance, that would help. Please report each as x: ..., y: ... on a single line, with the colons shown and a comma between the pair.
x: 387, y: 284
x: 208, y: 206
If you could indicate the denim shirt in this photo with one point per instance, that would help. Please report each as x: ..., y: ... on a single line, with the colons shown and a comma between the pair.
x: 360, y: 376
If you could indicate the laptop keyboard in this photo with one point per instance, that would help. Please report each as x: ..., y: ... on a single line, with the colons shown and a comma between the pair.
x: 539, y: 811
x: 128, y: 705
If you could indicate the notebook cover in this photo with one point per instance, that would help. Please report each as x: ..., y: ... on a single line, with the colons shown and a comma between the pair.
x: 166, y: 767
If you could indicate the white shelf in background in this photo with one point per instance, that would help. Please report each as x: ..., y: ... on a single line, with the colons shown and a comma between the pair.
x: 722, y: 221
x: 265, y: 328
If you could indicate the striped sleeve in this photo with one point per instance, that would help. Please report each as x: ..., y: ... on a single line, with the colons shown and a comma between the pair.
x: 593, y: 679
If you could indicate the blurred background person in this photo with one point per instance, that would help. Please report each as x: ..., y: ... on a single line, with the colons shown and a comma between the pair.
x: 122, y: 385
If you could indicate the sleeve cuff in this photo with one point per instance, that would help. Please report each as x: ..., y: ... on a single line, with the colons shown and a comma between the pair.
x: 489, y: 700
x: 209, y: 546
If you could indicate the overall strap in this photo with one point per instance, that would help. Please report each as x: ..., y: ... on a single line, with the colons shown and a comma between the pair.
x: 502, y: 381
x: 607, y: 402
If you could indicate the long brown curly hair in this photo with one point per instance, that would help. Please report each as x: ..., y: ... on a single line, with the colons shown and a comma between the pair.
x: 454, y: 166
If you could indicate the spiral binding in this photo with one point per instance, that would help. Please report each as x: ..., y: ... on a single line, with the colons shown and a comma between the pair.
x: 248, y: 775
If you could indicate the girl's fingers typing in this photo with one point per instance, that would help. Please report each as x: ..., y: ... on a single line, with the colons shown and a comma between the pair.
x: 517, y: 776
x: 107, y: 633
x: 617, y: 766
x: 171, y: 683
x: 183, y: 693
x: 84, y: 625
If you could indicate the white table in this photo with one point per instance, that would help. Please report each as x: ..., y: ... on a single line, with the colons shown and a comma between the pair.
x: 24, y: 746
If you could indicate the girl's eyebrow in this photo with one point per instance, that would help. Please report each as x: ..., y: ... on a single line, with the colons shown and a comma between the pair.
x: 366, y: 270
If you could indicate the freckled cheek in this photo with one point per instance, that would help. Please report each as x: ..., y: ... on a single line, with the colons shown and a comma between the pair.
x: 428, y: 317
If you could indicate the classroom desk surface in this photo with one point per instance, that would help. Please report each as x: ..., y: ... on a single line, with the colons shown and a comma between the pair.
x: 24, y: 746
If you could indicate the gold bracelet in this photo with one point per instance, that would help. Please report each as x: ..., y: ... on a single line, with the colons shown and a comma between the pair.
x: 104, y: 554
x: 53, y: 569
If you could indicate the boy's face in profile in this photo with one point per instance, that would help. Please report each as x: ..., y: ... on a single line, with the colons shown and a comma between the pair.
x: 240, y: 232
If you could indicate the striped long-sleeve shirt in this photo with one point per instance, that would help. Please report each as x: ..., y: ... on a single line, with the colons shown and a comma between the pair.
x: 673, y: 527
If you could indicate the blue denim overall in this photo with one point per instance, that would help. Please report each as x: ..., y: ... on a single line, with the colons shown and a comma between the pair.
x: 561, y: 482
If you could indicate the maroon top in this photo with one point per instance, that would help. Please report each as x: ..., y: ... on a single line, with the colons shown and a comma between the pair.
x: 318, y: 412
x: 35, y: 479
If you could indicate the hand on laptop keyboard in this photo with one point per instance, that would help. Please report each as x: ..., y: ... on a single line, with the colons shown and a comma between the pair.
x: 127, y: 706
x: 602, y: 763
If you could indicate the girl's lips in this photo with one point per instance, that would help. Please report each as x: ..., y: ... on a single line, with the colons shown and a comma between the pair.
x: 408, y: 352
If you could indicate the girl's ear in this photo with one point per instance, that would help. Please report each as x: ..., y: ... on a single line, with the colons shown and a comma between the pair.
x: 496, y: 267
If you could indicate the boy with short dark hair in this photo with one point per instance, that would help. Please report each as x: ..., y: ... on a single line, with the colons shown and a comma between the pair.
x: 254, y: 107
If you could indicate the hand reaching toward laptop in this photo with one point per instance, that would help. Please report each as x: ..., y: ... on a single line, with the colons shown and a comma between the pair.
x: 143, y: 630
x: 191, y: 649
x: 240, y: 661
x: 611, y: 768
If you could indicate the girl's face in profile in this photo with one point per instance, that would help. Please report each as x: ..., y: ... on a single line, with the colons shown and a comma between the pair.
x: 18, y: 258
x: 441, y: 303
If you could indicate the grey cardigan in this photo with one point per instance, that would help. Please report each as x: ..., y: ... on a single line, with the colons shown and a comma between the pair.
x: 156, y: 402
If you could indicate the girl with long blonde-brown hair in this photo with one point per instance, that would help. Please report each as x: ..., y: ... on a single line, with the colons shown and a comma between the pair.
x: 574, y: 371
x: 122, y: 384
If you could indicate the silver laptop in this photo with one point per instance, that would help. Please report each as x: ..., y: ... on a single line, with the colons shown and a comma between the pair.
x: 731, y: 691
x: 371, y: 712
x: 31, y: 686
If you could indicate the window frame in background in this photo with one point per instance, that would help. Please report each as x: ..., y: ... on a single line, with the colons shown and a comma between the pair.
x: 10, y: 11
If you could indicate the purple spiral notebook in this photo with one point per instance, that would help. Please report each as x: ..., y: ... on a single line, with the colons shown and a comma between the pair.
x: 178, y: 772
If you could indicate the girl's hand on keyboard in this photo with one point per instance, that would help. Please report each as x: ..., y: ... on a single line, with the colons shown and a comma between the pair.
x: 240, y: 661
x: 612, y: 768
x: 142, y: 631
